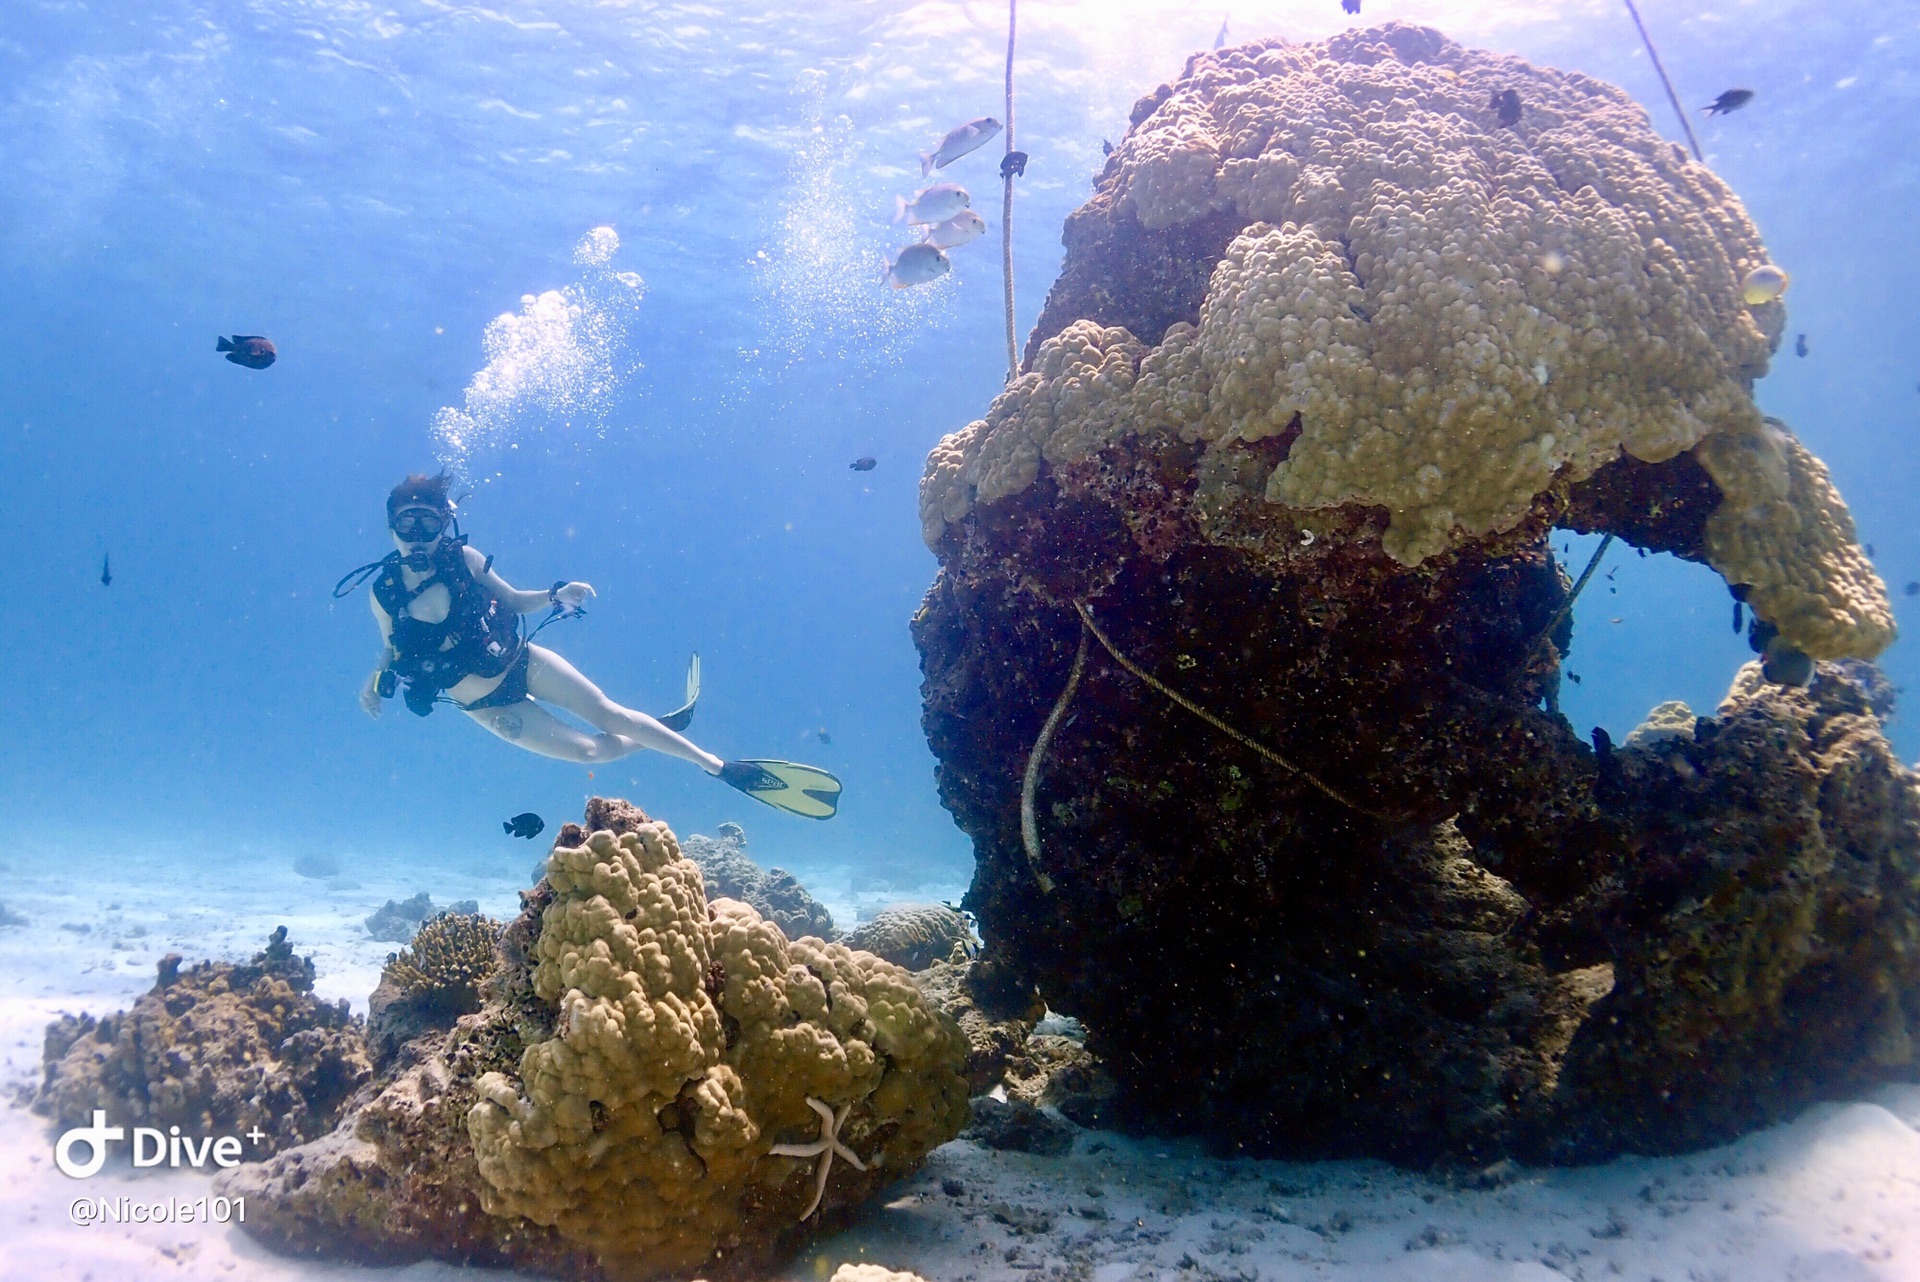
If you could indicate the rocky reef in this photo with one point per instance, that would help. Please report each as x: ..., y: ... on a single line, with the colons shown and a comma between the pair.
x: 397, y: 920
x: 656, y: 1085
x: 776, y: 894
x: 1308, y: 848
x: 216, y: 1049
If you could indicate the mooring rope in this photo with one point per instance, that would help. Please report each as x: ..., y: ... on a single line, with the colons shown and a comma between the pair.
x: 1672, y: 97
x: 1566, y: 606
x: 1006, y: 207
x: 1029, y: 826
x: 1086, y: 617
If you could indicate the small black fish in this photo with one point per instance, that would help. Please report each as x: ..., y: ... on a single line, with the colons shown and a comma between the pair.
x: 1220, y: 41
x: 1870, y: 552
x: 250, y: 350
x: 1013, y: 165
x: 1800, y: 345
x: 1350, y: 6
x: 823, y: 736
x: 526, y: 824
x: 1106, y: 148
x: 865, y: 463
x: 1507, y: 104
x: 1913, y: 589
x: 106, y: 569
x: 1731, y: 100
x: 1739, y: 616
x: 1574, y: 677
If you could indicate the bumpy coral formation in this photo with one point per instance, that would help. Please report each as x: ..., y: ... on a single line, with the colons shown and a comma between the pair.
x: 1782, y: 530
x: 1432, y: 314
x: 1331, y: 353
x: 625, y: 1105
x: 217, y: 1049
x: 1670, y: 720
x: 914, y: 935
x: 872, y: 1273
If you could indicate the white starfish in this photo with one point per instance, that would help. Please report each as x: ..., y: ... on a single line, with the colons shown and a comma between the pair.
x: 823, y: 1148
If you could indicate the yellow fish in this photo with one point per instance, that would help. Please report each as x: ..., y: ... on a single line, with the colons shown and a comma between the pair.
x: 1763, y: 285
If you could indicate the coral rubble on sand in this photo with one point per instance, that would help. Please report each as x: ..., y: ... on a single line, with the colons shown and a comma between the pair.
x: 1330, y: 355
x: 217, y: 1049
x: 632, y: 1099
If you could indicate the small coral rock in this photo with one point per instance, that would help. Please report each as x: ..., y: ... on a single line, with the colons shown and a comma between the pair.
x: 1017, y: 1126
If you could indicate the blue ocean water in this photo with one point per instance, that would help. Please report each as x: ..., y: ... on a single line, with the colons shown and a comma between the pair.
x: 377, y: 186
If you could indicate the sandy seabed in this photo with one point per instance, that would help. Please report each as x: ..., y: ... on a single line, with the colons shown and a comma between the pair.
x: 1832, y: 1197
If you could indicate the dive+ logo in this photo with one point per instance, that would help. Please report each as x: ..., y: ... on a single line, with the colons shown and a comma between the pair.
x: 151, y: 1147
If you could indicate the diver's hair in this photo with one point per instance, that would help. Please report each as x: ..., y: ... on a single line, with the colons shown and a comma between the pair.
x: 420, y: 490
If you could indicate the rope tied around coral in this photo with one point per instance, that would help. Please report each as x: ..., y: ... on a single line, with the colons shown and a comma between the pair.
x: 1036, y: 759
x: 1030, y: 784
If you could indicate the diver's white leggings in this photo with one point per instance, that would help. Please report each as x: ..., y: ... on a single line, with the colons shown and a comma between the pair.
x: 552, y: 679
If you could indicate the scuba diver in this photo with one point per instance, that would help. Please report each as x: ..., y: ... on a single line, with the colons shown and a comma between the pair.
x: 452, y: 633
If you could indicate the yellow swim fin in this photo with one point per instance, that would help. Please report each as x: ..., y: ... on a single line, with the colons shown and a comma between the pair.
x: 807, y: 791
x: 682, y: 717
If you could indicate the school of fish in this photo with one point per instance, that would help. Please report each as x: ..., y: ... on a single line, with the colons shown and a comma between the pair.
x: 944, y: 210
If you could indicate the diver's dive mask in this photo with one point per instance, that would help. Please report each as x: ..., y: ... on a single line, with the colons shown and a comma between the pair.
x: 418, y: 524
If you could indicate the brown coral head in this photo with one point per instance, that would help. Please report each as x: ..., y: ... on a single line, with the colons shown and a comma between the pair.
x: 611, y: 814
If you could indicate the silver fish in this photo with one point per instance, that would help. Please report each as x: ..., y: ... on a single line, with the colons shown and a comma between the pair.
x: 960, y: 140
x: 957, y: 230
x: 934, y: 205
x: 917, y: 264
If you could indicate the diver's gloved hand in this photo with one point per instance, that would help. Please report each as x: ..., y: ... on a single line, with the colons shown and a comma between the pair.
x: 572, y: 595
x: 370, y: 699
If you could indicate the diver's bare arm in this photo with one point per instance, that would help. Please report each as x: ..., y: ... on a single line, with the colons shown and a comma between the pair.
x: 385, y: 623
x: 518, y: 600
x: 370, y: 689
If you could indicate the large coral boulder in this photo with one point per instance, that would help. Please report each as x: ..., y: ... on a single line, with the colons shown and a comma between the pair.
x: 1308, y: 848
x: 659, y: 1085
